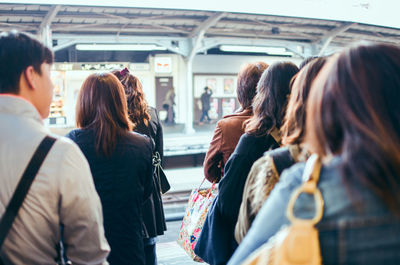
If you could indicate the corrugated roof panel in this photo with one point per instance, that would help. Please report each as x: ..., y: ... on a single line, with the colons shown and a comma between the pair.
x: 167, y: 22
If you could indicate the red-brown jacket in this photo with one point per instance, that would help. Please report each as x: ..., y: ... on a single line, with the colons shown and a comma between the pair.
x: 226, y: 136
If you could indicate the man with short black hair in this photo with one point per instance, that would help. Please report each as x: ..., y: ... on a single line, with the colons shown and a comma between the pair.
x: 63, y: 193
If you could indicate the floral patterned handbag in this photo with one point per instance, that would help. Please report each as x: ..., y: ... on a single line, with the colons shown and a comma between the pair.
x: 195, y: 215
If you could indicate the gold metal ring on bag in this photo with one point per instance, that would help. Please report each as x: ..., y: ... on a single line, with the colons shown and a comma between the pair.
x: 309, y: 186
x: 319, y: 205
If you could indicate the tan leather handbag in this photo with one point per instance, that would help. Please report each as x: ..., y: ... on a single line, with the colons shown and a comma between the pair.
x: 297, y: 243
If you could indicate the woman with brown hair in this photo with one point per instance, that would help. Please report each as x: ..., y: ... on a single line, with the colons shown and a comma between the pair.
x: 147, y: 122
x: 144, y: 117
x: 353, y: 124
x: 262, y: 134
x: 120, y: 162
x: 230, y: 127
x: 265, y: 172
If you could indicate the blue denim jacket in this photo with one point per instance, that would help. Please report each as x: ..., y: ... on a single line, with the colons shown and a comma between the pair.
x: 356, y: 228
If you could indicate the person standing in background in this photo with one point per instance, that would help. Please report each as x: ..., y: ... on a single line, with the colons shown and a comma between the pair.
x: 205, y: 104
x: 147, y: 122
x: 120, y: 161
x: 168, y: 106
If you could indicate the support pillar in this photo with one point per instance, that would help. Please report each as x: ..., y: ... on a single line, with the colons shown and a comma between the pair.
x: 44, y: 28
x: 196, y: 37
x: 45, y: 36
x: 189, y: 96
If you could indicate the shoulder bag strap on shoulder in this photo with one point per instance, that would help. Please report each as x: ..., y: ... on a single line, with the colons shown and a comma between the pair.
x: 282, y: 159
x: 151, y: 132
x: 276, y: 135
x: 23, y: 186
x: 311, y: 176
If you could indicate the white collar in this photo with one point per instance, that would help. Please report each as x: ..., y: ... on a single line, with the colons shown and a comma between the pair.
x: 16, y: 105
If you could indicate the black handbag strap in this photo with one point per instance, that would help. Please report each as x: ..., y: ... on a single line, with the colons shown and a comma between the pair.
x: 282, y: 159
x: 23, y: 186
x: 151, y: 132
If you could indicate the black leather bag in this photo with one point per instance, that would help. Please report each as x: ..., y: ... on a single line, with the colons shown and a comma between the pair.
x: 158, y: 170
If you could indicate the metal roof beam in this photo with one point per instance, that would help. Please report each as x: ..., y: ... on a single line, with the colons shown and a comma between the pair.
x: 154, y: 21
x: 328, y: 37
x: 112, y: 38
x: 256, y: 42
x: 336, y: 31
x: 290, y: 45
x: 180, y: 47
x: 199, y: 32
x: 49, y: 17
x: 44, y: 28
x: 15, y: 25
x: 209, y: 22
x: 64, y: 45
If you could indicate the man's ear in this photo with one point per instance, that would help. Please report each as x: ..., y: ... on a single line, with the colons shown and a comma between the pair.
x: 30, y: 77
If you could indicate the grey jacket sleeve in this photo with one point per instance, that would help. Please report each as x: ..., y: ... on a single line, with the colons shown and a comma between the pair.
x: 80, y: 211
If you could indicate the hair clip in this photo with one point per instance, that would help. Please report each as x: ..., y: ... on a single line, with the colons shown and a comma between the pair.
x: 124, y: 71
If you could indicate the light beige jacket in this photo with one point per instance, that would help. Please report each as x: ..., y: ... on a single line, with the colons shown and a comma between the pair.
x: 259, y: 183
x: 63, y: 192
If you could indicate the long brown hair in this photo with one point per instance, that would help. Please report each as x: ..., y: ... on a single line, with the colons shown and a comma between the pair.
x: 294, y: 126
x: 247, y: 80
x: 137, y: 104
x: 269, y: 104
x: 354, y: 112
x: 101, y: 106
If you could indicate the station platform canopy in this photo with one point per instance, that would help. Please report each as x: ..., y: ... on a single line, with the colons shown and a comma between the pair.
x: 302, y: 27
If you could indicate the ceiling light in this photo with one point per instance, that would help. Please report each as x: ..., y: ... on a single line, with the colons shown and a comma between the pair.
x: 255, y: 49
x: 118, y: 47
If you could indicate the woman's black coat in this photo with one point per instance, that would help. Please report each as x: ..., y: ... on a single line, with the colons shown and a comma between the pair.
x: 123, y: 182
x: 216, y: 243
x: 153, y: 211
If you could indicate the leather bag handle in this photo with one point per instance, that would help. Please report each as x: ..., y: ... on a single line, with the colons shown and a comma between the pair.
x: 310, y: 178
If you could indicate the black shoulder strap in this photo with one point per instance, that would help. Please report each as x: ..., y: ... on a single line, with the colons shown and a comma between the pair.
x: 282, y: 159
x: 23, y: 186
x: 150, y: 130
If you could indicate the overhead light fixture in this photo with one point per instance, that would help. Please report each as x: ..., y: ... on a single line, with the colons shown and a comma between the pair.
x: 256, y: 49
x: 119, y: 47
